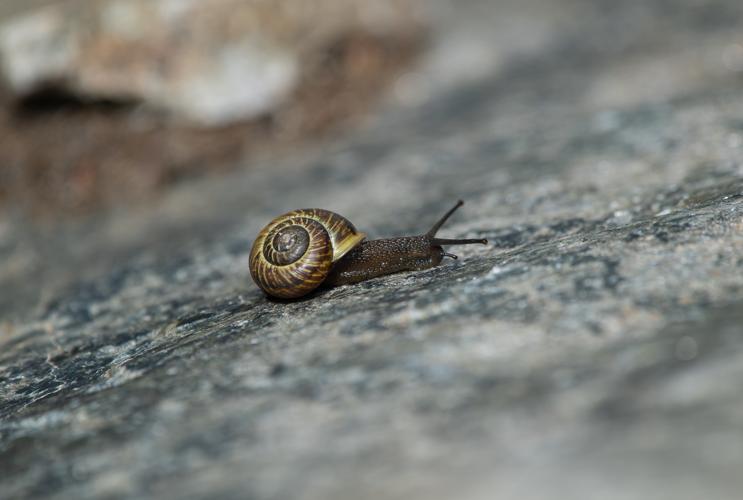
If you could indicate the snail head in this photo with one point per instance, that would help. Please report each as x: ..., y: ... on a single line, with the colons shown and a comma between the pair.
x: 436, y: 244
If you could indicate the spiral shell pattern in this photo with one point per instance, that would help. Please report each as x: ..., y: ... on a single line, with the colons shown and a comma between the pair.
x: 293, y: 254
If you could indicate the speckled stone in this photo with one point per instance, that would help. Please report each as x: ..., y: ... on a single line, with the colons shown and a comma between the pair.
x: 593, y: 350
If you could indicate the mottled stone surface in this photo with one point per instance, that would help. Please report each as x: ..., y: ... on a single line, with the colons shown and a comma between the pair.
x: 593, y: 350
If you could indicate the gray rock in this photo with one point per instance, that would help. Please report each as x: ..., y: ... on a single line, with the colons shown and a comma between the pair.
x: 593, y: 350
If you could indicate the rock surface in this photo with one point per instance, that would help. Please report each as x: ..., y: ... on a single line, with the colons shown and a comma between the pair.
x: 593, y: 350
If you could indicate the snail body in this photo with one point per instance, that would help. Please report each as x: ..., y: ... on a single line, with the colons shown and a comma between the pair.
x: 303, y: 249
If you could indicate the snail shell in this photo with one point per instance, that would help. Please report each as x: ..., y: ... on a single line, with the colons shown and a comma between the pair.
x: 293, y: 254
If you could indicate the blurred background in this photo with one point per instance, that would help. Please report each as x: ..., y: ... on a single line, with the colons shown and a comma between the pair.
x: 109, y: 108
x: 109, y: 103
x: 590, y: 351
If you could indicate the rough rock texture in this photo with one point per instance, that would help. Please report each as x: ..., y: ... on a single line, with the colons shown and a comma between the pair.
x: 213, y: 62
x: 594, y: 350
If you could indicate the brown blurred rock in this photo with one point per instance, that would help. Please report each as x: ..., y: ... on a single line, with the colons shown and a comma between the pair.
x: 210, y: 62
x: 74, y: 136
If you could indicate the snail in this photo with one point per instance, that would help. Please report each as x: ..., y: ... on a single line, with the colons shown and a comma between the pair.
x: 303, y: 249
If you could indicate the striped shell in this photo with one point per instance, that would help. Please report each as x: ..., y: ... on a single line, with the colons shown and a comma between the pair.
x: 293, y: 254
